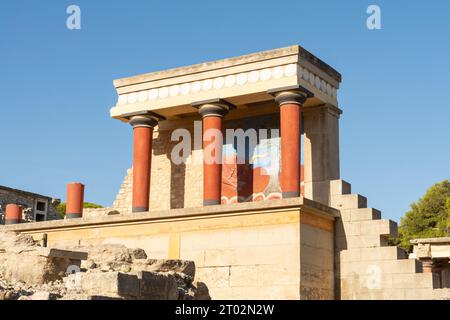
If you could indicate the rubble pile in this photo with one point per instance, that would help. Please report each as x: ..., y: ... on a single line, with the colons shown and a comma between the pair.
x: 108, y: 271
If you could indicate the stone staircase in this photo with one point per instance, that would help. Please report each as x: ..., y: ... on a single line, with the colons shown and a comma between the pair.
x: 366, y: 267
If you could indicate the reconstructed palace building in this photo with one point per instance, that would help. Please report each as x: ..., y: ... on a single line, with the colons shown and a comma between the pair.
x: 273, y: 222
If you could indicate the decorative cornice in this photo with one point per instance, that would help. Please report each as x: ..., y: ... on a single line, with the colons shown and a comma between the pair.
x: 229, y: 81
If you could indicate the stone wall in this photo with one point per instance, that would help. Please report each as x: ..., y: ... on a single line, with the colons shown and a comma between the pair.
x: 27, y: 201
x: 279, y: 249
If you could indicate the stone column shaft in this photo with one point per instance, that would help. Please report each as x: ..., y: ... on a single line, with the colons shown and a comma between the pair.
x: 290, y: 101
x: 142, y: 157
x: 74, y: 200
x: 212, y: 112
x: 13, y: 214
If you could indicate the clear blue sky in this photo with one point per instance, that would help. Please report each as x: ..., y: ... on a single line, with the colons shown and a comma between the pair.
x: 56, y: 84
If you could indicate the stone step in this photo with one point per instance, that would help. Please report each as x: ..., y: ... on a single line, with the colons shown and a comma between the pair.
x: 370, y: 254
x: 340, y: 187
x: 380, y: 268
x: 364, y: 214
x: 361, y: 241
x: 384, y: 227
x: 361, y: 214
x: 387, y: 228
x: 348, y: 201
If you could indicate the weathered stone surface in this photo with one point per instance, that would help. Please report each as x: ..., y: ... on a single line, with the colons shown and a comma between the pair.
x: 110, y: 284
x: 30, y: 272
x: 157, y: 286
x: 180, y: 266
x: 32, y: 268
x: 137, y: 253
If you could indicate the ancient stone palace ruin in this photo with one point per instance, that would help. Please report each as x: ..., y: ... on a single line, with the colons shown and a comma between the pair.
x: 236, y: 168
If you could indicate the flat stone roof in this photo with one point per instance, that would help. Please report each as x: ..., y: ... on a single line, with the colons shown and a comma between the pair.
x: 229, y: 62
x: 241, y: 81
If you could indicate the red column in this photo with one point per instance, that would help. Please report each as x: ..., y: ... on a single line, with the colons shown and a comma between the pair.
x: 290, y: 114
x: 142, y: 157
x: 212, y: 112
x: 74, y: 200
x: 212, y: 172
x: 13, y: 214
x: 290, y: 102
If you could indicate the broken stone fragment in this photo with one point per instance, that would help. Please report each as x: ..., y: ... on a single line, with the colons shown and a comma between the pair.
x: 110, y: 284
x: 43, y: 295
x: 157, y: 286
x: 137, y: 253
x: 32, y: 267
x: 181, y: 266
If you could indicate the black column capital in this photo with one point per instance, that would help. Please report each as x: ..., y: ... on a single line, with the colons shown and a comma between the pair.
x: 292, y: 94
x: 213, y: 107
x: 146, y: 119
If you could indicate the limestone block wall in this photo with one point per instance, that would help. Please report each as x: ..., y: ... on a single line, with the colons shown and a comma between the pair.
x: 279, y: 249
x: 366, y: 267
x: 316, y: 260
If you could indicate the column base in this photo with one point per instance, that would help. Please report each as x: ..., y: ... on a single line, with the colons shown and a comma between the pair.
x: 290, y: 194
x: 211, y: 202
x: 12, y: 221
x: 139, y: 209
x: 73, y: 215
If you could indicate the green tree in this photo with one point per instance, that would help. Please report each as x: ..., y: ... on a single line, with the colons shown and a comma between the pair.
x: 429, y: 217
x: 62, y: 207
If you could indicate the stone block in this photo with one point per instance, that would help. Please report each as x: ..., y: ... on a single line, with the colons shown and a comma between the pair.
x: 244, y: 276
x: 345, y: 229
x: 316, y: 238
x: 348, y: 201
x: 339, y: 187
x: 214, y: 277
x: 365, y: 214
x: 313, y: 293
x: 350, y: 255
x: 345, y: 215
x: 198, y: 256
x: 361, y: 241
x: 252, y: 255
x: 277, y: 275
x: 235, y: 293
x: 157, y: 286
x: 164, y: 265
x: 59, y: 253
x: 316, y: 257
x: 382, y: 253
x: 316, y: 277
x: 379, y: 227
x: 32, y: 268
x: 383, y: 267
x: 415, y: 281
x: 110, y: 284
x: 288, y: 292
